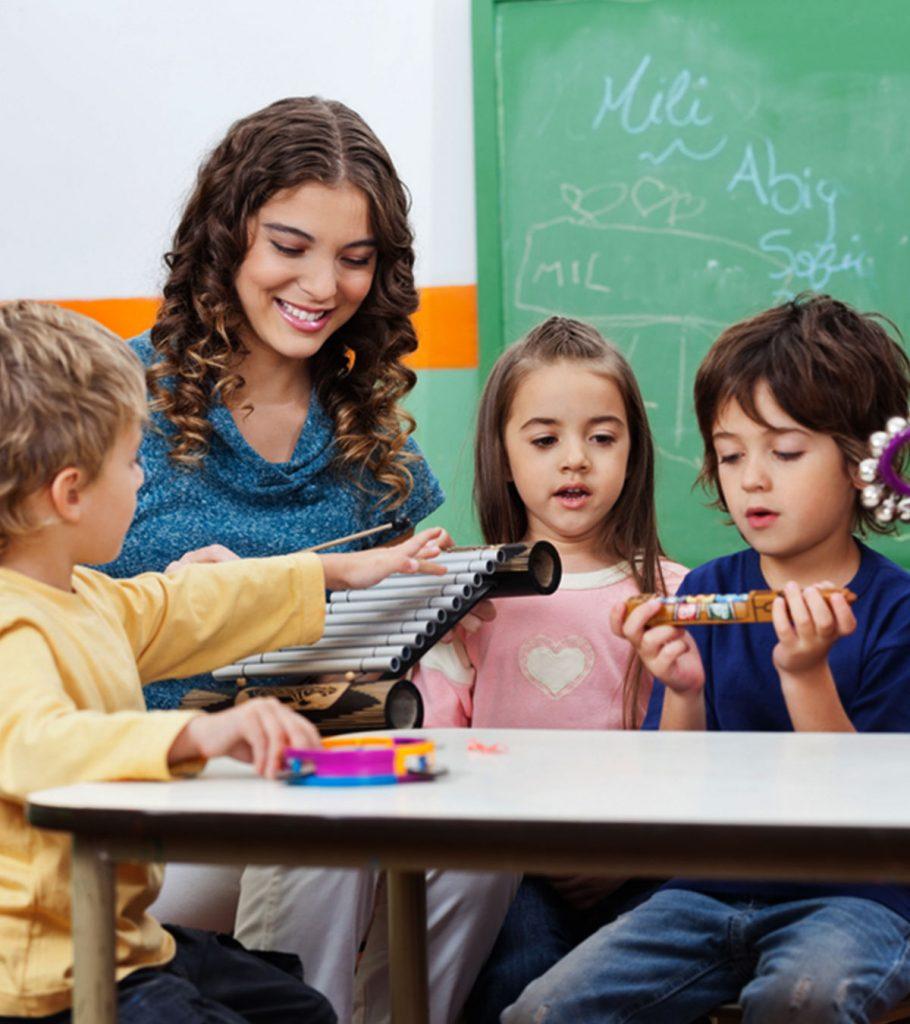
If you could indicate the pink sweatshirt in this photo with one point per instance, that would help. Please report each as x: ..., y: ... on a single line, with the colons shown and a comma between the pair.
x: 542, y: 663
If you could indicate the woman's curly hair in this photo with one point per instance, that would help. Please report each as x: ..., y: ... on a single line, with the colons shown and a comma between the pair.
x: 358, y: 374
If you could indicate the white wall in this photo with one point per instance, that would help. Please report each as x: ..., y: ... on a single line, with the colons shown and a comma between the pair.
x: 108, y: 106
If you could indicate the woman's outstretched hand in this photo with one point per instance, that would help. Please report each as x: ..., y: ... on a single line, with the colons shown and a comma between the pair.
x: 357, y: 569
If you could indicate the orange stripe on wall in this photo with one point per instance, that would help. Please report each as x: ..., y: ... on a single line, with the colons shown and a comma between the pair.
x: 126, y: 317
x: 446, y: 323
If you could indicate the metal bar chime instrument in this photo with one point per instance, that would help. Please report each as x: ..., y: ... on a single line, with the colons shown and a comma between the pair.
x: 373, y: 636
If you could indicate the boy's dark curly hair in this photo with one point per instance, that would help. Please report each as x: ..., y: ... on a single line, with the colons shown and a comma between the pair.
x: 832, y: 369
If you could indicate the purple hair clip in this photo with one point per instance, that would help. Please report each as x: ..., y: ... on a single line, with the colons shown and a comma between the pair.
x: 886, y: 490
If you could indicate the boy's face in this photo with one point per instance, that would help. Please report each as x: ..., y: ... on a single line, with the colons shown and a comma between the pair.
x: 109, y: 501
x: 788, y: 488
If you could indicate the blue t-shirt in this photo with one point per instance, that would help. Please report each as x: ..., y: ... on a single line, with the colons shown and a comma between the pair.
x: 871, y: 669
x: 252, y: 506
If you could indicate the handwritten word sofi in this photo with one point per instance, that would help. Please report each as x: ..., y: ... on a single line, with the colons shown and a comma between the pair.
x: 791, y: 194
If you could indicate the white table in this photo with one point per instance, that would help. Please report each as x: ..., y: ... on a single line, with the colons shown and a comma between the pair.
x: 812, y: 806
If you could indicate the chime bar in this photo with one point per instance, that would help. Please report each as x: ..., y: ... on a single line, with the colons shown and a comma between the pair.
x: 373, y: 629
x: 344, y: 614
x: 259, y: 669
x: 468, y: 564
x: 387, y: 602
x: 417, y: 589
x: 371, y: 639
x: 356, y: 651
x: 388, y: 627
x: 495, y: 553
x: 472, y: 579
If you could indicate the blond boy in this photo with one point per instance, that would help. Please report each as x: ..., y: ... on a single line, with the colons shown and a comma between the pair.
x: 76, y: 648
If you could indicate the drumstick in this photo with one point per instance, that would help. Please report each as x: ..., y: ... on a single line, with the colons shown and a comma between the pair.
x: 717, y: 609
x: 398, y: 525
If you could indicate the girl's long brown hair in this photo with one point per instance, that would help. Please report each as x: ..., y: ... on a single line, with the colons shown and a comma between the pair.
x: 630, y: 530
x: 358, y: 375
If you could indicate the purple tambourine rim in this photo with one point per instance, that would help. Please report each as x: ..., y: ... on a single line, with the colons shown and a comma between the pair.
x: 347, y: 762
x: 886, y: 463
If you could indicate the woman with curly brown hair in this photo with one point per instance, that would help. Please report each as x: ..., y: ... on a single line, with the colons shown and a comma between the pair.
x: 275, y: 365
x: 275, y: 368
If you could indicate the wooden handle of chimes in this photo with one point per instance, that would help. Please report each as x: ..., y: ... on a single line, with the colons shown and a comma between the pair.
x: 337, y: 706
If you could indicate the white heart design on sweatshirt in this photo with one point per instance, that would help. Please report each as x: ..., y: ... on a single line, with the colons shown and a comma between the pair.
x: 556, y: 666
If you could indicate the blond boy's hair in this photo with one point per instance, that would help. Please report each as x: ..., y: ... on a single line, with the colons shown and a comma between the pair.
x: 68, y: 386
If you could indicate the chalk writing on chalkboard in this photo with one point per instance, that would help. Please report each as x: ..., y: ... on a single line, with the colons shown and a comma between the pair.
x: 611, y: 229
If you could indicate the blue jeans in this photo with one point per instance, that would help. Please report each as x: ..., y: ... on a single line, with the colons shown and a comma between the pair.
x: 539, y: 930
x: 681, y: 953
x: 213, y: 980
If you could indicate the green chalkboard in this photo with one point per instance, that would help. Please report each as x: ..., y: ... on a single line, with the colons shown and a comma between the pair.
x: 662, y: 168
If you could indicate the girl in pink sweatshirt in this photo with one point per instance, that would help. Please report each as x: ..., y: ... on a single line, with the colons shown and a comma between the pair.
x: 564, y: 454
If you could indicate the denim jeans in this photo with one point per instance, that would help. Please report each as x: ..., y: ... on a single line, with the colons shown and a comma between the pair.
x: 539, y: 930
x: 681, y: 953
x: 213, y: 980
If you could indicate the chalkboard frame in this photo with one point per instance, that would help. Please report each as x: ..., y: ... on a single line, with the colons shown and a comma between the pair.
x: 490, y: 317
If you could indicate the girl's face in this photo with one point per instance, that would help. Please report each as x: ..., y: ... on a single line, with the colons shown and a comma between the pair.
x: 567, y: 442
x: 310, y: 265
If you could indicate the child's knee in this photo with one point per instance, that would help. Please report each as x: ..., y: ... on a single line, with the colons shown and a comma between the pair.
x: 807, y: 997
x: 531, y: 1010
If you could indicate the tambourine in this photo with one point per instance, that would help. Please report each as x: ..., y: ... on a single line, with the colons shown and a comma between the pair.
x: 887, y: 490
x: 363, y: 761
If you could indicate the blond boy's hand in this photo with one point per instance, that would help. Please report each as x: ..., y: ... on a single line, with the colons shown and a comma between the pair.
x: 668, y: 653
x: 358, y: 569
x: 807, y: 626
x: 256, y: 731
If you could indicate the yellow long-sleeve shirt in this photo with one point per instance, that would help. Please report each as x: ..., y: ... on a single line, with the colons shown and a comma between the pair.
x: 72, y: 666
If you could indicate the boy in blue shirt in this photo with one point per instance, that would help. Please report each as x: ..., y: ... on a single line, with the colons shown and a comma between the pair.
x: 786, y: 402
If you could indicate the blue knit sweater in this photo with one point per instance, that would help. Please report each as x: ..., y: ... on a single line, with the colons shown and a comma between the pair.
x: 252, y: 506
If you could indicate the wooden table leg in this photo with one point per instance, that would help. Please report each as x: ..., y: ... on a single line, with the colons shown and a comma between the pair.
x: 95, y: 994
x: 408, y: 947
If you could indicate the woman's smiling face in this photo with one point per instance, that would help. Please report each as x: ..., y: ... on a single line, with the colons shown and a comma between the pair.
x: 310, y: 264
